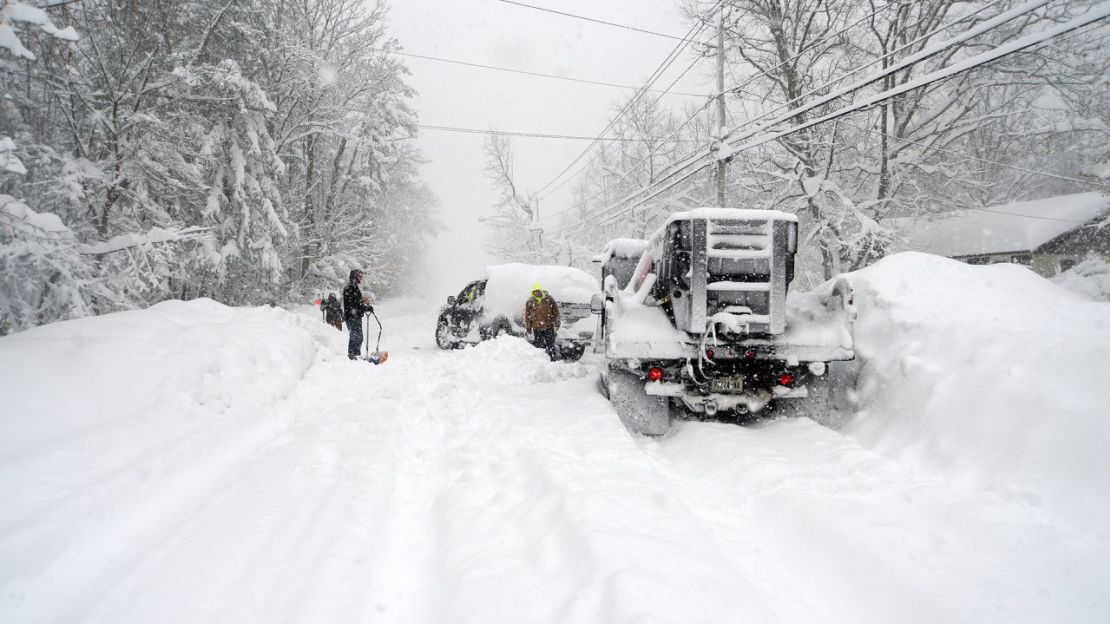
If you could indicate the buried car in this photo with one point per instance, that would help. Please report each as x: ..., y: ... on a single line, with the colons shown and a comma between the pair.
x: 494, y: 306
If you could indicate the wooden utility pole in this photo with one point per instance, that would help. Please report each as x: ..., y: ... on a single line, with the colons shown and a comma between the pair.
x: 722, y: 166
x: 536, y: 227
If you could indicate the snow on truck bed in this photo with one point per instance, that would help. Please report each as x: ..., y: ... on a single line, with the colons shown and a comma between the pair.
x: 198, y: 463
x: 812, y: 332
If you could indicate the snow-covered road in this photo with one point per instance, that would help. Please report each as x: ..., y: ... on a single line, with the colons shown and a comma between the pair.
x: 279, y: 484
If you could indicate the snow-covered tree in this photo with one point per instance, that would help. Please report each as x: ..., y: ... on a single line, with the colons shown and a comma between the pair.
x: 518, y: 233
x: 247, y: 151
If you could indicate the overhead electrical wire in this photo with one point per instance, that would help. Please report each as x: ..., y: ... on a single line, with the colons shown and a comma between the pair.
x: 527, y: 73
x: 153, y: 93
x: 1003, y: 212
x: 758, y: 75
x: 739, y: 89
x: 536, y: 135
x: 1094, y: 15
x: 567, y: 179
x: 1019, y: 45
x: 591, y: 19
x: 834, y: 81
x: 667, y: 62
x: 920, y: 56
x: 909, y: 61
x: 976, y: 158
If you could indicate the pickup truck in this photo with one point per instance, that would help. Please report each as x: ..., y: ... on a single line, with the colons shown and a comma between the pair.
x: 703, y: 323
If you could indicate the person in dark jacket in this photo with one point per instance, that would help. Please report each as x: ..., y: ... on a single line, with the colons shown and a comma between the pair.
x: 541, y: 319
x: 354, y: 307
x: 333, y: 312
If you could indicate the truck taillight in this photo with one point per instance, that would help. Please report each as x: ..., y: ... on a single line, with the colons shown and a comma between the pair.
x: 655, y: 374
x: 751, y: 354
x: 787, y: 379
x: 709, y: 354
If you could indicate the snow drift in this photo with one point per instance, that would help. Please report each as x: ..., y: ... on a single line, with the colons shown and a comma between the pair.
x: 113, y: 425
x: 991, y: 374
x: 198, y: 463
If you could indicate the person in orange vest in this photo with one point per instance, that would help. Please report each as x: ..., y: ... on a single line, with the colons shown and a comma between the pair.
x: 541, y: 320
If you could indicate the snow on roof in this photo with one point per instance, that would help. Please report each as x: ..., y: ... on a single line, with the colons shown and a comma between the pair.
x: 730, y: 213
x: 1021, y: 226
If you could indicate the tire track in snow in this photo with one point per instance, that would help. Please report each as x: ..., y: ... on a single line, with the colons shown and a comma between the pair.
x: 97, y: 554
x: 284, y: 539
x: 529, y: 528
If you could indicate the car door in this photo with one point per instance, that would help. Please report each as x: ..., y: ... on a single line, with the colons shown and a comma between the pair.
x: 468, y: 306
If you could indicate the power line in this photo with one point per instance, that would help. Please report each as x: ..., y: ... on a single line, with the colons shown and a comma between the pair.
x: 689, y: 159
x: 536, y: 135
x: 1094, y: 15
x: 667, y: 62
x: 982, y: 160
x: 739, y: 89
x: 905, y: 63
x: 1008, y: 214
x: 998, y: 52
x: 909, y: 61
x: 58, y: 4
x: 567, y: 179
x: 209, y: 99
x: 591, y: 19
x: 527, y: 73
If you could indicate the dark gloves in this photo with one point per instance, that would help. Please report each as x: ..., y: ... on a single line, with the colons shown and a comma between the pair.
x: 370, y: 309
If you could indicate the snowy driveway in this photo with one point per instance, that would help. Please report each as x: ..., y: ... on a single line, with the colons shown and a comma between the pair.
x: 482, y: 485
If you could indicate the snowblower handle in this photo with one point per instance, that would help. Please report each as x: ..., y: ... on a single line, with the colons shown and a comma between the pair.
x: 378, y: 356
x: 378, y: 344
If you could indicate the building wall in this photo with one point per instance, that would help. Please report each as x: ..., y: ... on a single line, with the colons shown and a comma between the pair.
x: 1045, y: 265
x: 1055, y: 256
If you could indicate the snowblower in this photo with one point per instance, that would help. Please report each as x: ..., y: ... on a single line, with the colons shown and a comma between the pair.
x: 377, y: 356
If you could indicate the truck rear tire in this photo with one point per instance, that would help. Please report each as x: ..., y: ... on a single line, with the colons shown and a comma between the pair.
x: 641, y: 413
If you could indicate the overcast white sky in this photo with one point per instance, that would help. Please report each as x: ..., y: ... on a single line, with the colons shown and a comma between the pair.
x: 495, y: 33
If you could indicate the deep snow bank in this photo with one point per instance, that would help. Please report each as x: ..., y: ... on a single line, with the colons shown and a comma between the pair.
x: 992, y: 374
x: 112, y: 426
x: 68, y: 377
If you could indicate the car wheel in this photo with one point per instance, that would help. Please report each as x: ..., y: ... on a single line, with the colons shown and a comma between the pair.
x: 444, y: 338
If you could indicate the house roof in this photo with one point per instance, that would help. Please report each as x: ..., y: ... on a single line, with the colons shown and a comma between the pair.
x: 1021, y: 226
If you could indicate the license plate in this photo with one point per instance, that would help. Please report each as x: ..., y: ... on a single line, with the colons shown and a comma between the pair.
x: 727, y: 384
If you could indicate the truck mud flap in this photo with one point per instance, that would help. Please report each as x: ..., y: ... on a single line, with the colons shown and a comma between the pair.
x: 641, y: 413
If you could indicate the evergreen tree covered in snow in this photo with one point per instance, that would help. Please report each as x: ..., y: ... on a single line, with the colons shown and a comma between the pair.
x: 247, y: 151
